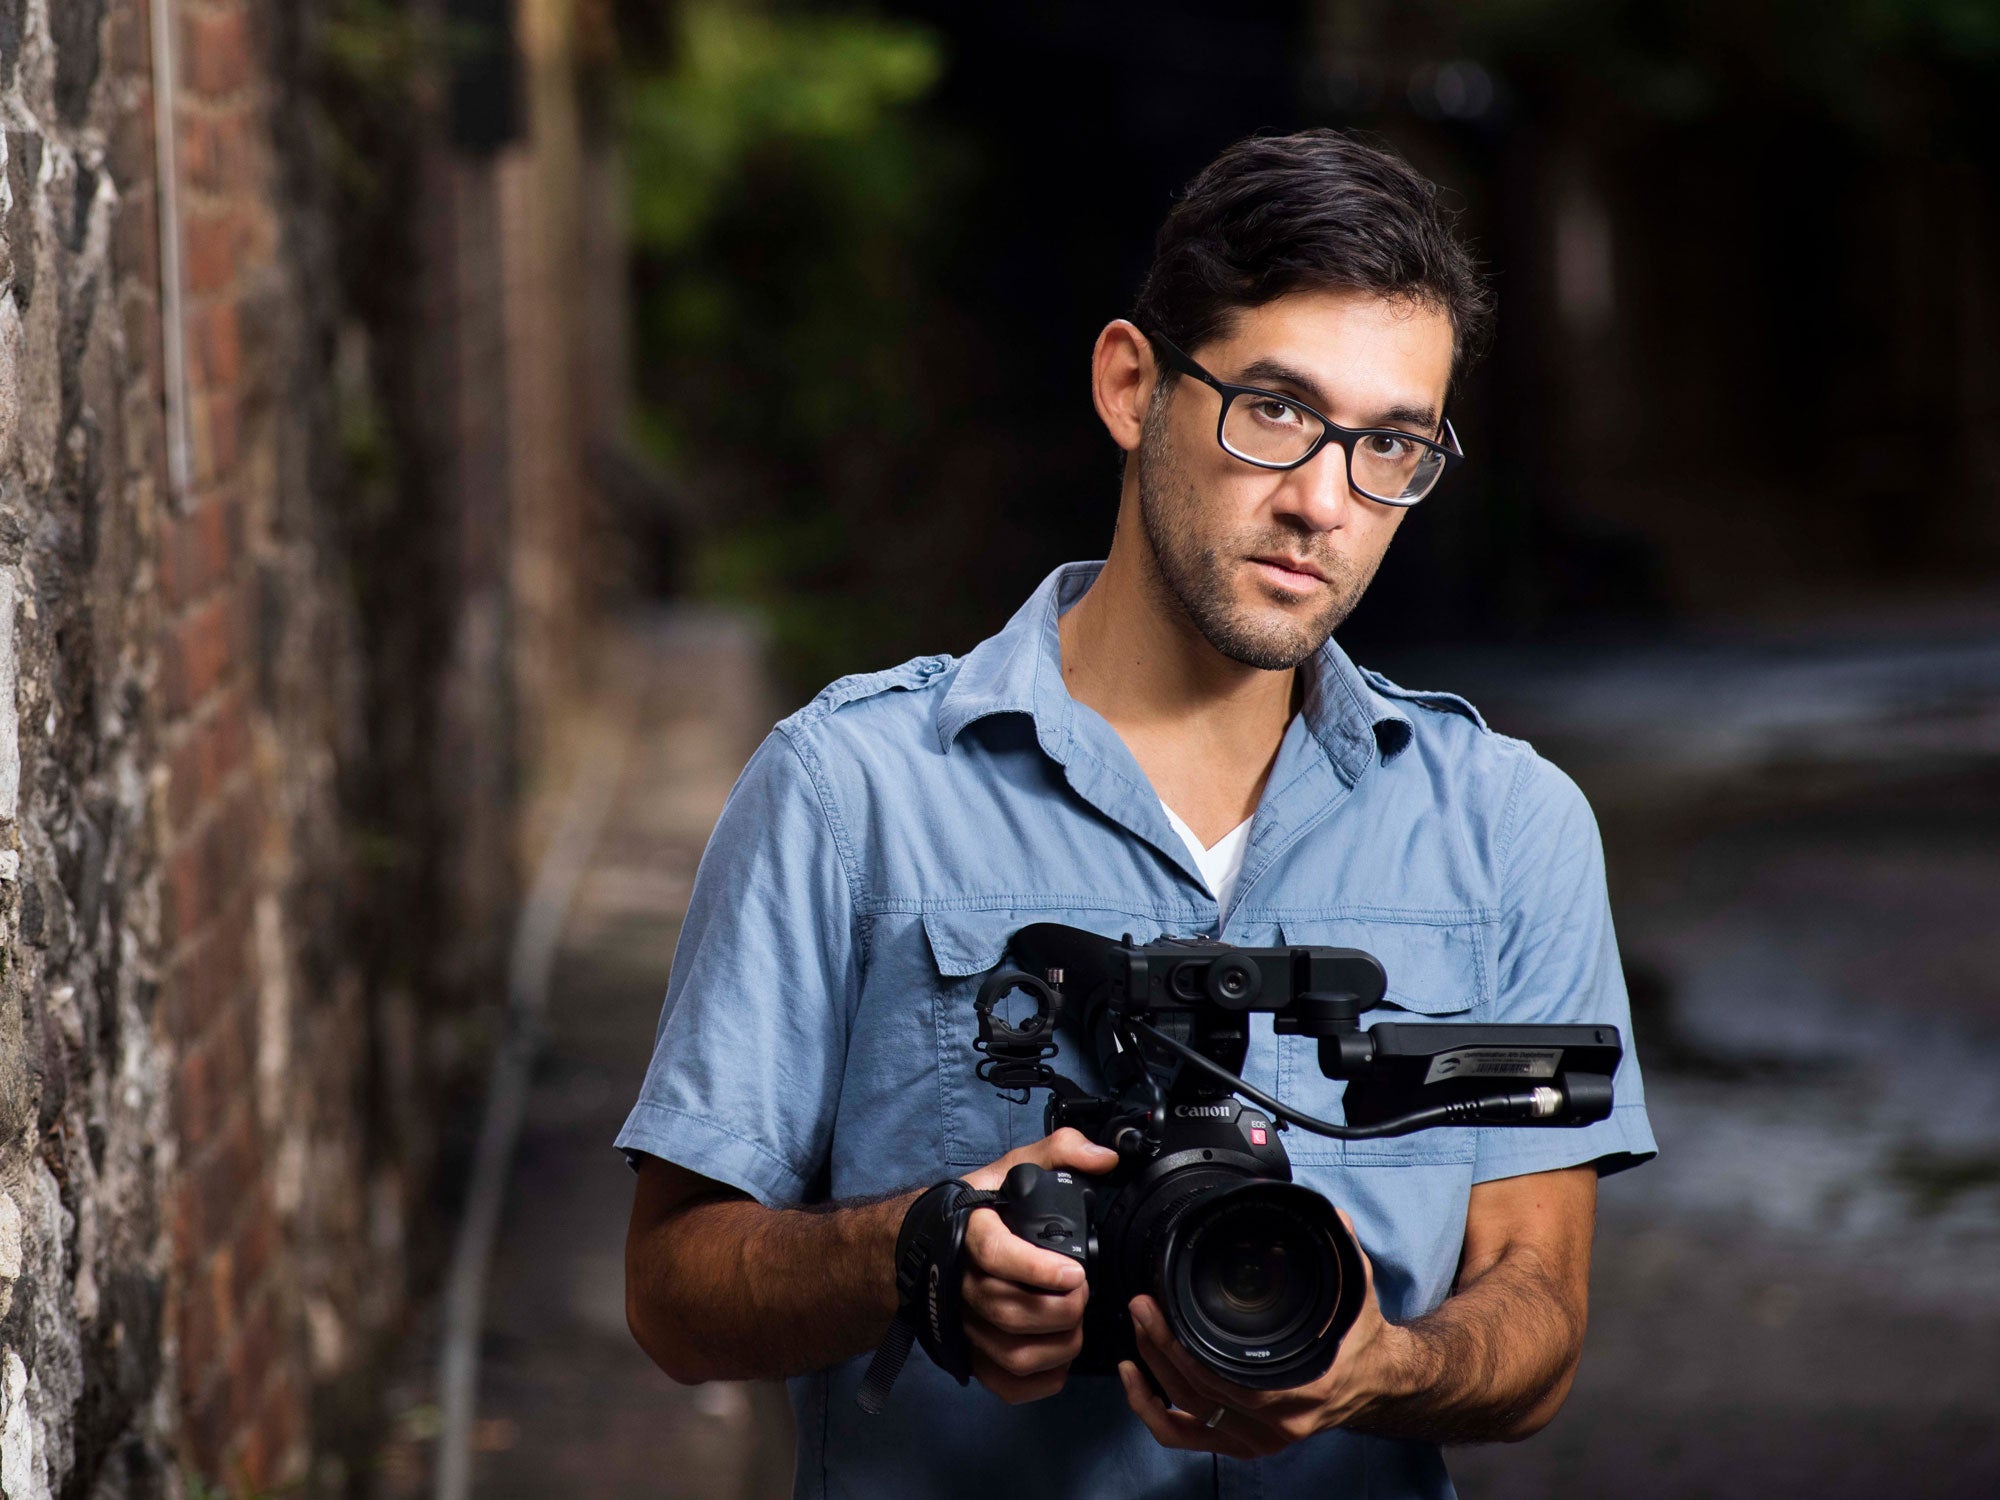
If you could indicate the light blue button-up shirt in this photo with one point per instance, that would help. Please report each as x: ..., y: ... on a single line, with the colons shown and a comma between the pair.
x: 869, y: 867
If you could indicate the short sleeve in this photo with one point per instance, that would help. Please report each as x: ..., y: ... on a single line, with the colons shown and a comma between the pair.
x: 746, y: 1064
x: 1557, y: 963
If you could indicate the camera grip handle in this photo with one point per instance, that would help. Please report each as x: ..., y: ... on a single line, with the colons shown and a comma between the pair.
x: 1049, y: 1208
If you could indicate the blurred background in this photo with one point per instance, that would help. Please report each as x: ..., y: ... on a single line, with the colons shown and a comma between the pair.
x: 439, y: 437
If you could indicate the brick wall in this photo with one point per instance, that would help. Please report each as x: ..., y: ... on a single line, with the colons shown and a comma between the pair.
x: 251, y: 909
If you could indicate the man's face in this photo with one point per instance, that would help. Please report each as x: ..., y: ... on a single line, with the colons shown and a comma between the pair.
x: 1264, y: 563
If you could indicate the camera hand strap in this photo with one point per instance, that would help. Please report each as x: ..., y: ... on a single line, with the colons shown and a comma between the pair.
x: 928, y: 1282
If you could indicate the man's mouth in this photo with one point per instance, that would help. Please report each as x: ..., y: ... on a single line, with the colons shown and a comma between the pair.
x: 1289, y: 572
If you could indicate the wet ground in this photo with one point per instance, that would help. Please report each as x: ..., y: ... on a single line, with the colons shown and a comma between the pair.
x: 1801, y: 1297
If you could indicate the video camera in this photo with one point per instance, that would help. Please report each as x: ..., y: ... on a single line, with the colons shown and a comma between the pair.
x: 1256, y: 1275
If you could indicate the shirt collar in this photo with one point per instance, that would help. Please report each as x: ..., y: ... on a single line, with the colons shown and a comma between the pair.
x: 1019, y: 670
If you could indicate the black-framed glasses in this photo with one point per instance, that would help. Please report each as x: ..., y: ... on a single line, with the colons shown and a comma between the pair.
x: 1276, y: 431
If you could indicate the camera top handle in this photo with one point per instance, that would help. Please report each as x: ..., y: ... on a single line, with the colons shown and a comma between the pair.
x: 1401, y: 1077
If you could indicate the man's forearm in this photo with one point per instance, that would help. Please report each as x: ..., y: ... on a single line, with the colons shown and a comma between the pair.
x: 727, y: 1289
x: 1491, y: 1364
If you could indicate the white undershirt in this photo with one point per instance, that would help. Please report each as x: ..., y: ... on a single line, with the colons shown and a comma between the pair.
x: 1219, y: 866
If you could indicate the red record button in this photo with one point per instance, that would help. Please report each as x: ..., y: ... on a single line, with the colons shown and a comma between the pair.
x: 1257, y: 1137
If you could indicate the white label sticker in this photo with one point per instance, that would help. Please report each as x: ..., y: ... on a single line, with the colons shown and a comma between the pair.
x: 1494, y: 1062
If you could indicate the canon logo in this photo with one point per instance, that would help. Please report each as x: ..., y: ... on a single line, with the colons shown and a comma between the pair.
x: 1205, y: 1111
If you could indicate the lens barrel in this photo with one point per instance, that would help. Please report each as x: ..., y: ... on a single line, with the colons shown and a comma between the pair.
x: 1260, y: 1281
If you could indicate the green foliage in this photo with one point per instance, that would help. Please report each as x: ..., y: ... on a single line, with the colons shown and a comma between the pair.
x: 371, y: 53
x: 747, y: 81
x: 787, y: 188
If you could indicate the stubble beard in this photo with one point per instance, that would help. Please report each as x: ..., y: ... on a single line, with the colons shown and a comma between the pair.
x: 1196, y: 574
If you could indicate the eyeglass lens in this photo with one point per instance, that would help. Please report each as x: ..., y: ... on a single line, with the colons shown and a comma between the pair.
x: 1268, y: 431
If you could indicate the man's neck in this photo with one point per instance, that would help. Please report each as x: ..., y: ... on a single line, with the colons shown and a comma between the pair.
x: 1203, y: 728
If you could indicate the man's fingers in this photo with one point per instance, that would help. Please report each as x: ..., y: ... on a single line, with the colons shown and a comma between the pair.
x: 1015, y: 1389
x: 1257, y: 1419
x: 1176, y: 1429
x: 1071, y: 1148
x: 1182, y: 1391
x: 1150, y: 1409
x: 1367, y: 1260
x: 1068, y: 1147
x: 1014, y: 1309
x: 998, y: 1251
x: 1024, y: 1357
x: 1179, y: 1371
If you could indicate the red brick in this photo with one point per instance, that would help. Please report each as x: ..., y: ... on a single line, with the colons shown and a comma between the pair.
x: 233, y: 844
x: 215, y: 345
x: 184, y: 778
x: 187, y: 895
x: 270, y: 1445
x: 214, y: 1074
x: 210, y: 973
x: 203, y: 756
x: 253, y: 1362
x: 199, y: 649
x: 256, y: 1248
x: 209, y: 864
x: 213, y: 426
x: 218, y: 151
x: 207, y: 1321
x: 199, y: 550
x: 224, y: 1177
x: 197, y: 1103
x: 213, y: 245
x: 217, y: 55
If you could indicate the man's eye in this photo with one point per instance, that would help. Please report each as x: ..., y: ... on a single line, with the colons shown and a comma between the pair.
x: 1381, y: 445
x: 1277, y: 413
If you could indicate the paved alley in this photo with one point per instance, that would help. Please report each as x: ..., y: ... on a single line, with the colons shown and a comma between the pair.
x: 568, y: 1403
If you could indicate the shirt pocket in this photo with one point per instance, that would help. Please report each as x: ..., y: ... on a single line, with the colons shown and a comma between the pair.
x: 980, y: 1124
x: 1439, y: 971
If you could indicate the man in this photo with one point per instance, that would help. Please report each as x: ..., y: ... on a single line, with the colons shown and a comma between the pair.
x: 1168, y: 743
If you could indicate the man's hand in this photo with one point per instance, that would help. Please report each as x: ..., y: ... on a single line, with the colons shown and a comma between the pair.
x: 1024, y: 1305
x: 1256, y: 1424
x: 1492, y: 1363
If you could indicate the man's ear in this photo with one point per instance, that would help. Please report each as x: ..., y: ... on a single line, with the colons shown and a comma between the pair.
x: 1123, y: 373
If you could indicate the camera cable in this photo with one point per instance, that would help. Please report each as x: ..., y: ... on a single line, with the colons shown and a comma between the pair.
x: 1534, y: 1104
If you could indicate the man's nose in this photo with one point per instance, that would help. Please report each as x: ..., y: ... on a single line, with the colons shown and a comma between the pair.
x: 1317, y: 491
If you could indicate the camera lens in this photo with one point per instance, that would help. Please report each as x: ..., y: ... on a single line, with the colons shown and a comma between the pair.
x: 1260, y: 1281
x: 1255, y: 1277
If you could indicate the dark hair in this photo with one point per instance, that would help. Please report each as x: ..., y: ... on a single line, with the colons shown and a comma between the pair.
x: 1313, y: 211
